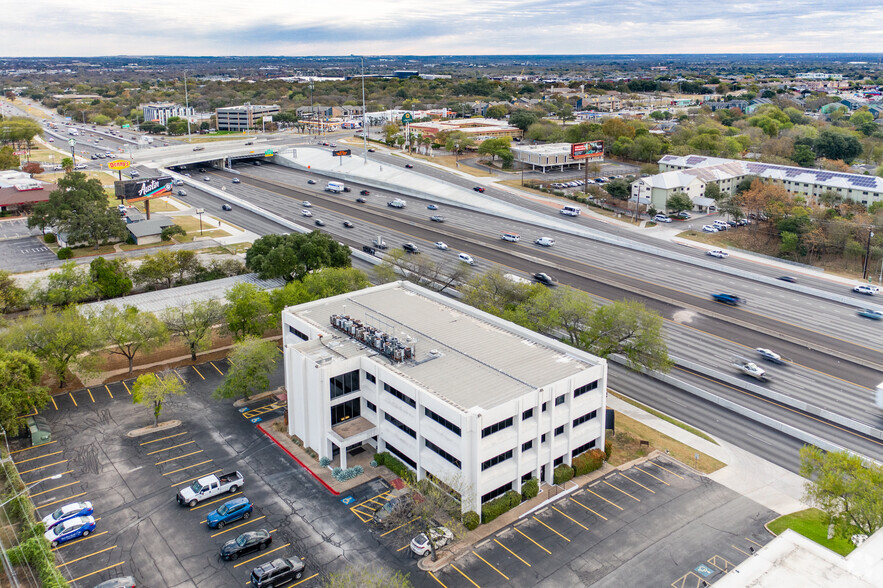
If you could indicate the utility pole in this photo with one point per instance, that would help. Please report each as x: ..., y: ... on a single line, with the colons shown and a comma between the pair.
x: 364, y: 112
x: 867, y: 253
x: 186, y: 106
x: 312, y: 112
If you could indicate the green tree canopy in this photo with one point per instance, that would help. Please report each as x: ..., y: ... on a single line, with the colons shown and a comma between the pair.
x: 153, y: 389
x: 67, y: 285
x: 679, y: 201
x: 249, y: 311
x: 627, y: 328
x: 129, y: 330
x: 523, y: 119
x: 295, y: 255
x: 836, y: 144
x: 12, y: 296
x: 111, y: 277
x: 252, y: 361
x: 20, y: 373
x: 193, y: 322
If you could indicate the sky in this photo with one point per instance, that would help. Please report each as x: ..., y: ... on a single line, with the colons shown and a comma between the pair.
x: 440, y: 27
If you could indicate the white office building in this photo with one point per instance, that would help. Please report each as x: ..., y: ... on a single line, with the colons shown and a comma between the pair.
x: 455, y: 393
x: 162, y: 112
x: 244, y: 117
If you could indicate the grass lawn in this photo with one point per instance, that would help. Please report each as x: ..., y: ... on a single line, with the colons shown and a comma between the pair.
x: 85, y: 251
x: 130, y: 247
x: 451, y: 162
x: 627, y: 446
x: 157, y: 205
x: 812, y: 524
x: 191, y: 225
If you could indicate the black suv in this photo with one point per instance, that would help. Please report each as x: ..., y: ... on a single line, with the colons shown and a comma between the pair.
x: 277, y: 572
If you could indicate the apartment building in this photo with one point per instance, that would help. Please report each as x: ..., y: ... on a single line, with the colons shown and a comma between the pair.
x: 241, y: 118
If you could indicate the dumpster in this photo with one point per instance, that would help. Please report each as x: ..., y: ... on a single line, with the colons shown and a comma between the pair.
x: 39, y: 430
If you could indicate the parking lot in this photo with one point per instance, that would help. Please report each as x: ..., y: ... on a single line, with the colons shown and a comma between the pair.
x: 132, y: 483
x: 24, y: 254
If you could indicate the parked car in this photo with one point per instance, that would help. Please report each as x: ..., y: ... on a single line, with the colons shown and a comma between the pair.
x: 70, y: 529
x: 719, y: 253
x: 546, y: 279
x: 68, y: 511
x: 437, y: 218
x: 709, y: 229
x: 246, y: 543
x: 432, y: 207
x: 230, y: 511
x: 684, y: 215
x: 277, y: 572
x: 398, y: 502
x: 661, y: 218
x: 441, y: 536
x: 124, y: 582
x: 134, y: 173
x: 348, y: 224
x: 466, y: 258
x: 478, y: 189
x: 364, y: 192
x: 871, y: 314
x: 867, y: 289
x: 441, y: 245
x: 410, y: 248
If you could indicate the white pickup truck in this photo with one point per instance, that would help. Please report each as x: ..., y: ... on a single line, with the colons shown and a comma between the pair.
x: 397, y: 203
x: 209, y: 486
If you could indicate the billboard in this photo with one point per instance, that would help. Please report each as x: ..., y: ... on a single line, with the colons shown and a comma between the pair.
x: 589, y: 149
x: 143, y: 189
x: 118, y: 164
x: 341, y: 152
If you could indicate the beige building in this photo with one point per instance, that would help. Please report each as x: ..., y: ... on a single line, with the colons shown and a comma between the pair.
x: 551, y: 155
x: 478, y: 129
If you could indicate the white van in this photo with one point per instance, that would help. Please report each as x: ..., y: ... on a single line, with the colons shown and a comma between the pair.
x: 545, y: 241
x: 513, y: 237
x: 571, y: 211
x: 336, y: 187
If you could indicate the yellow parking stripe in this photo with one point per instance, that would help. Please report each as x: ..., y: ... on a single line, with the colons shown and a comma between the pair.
x: 652, y: 476
x: 98, y: 571
x: 437, y: 580
x: 127, y: 389
x: 225, y: 497
x: 179, y: 457
x: 534, y: 542
x: 248, y: 522
x: 263, y: 553
x: 187, y: 482
x: 197, y: 372
x: 745, y: 553
x: 42, y: 467
x: 172, y: 447
x: 512, y: 552
x: 71, y: 394
x: 753, y: 541
x: 588, y: 509
x: 302, y: 581
x: 52, y: 398
x: 623, y: 491
x: 54, y: 489
x: 89, y: 390
x: 604, y: 499
x: 572, y: 519
x: 109, y: 393
x: 551, y: 529
x: 32, y: 447
x: 163, y: 438
x: 638, y: 483
x: 62, y: 500
x: 67, y: 563
x: 465, y: 576
x: 666, y: 469
x: 399, y: 527
x: 490, y: 564
x: 46, y: 478
x: 41, y: 457
x: 188, y: 467
x: 92, y: 536
x: 216, y: 368
x: 180, y: 377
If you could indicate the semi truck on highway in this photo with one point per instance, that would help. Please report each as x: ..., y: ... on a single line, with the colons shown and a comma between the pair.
x: 336, y: 187
x: 73, y: 132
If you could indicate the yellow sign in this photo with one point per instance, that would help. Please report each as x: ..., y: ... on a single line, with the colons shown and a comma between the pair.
x: 118, y: 164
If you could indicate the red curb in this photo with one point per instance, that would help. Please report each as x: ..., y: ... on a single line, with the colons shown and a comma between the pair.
x: 291, y: 455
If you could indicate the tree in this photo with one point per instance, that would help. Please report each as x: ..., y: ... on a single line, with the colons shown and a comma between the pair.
x: 129, y: 331
x: 627, y: 328
x: 846, y: 487
x: 12, y: 296
x: 803, y: 156
x: 252, y: 361
x: 836, y: 144
x: 193, y: 322
x: 68, y: 285
x: 249, y: 311
x: 295, y: 255
x: 523, y: 119
x: 33, y: 168
x: 171, y: 231
x: 679, y: 201
x: 110, y: 277
x: 713, y: 191
x: 20, y: 373
x: 618, y: 188
x: 457, y: 141
x: 8, y: 159
x: 495, y: 293
x: 368, y: 577
x: 497, y: 147
x: 153, y: 389
x: 496, y: 111
x: 176, y: 125
x: 422, y: 270
x: 165, y: 268
x: 67, y: 164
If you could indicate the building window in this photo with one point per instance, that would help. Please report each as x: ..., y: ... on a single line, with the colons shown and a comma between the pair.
x: 558, y: 461
x: 442, y: 453
x: 545, y: 406
x: 584, y: 418
x: 490, y: 430
x: 583, y: 448
x: 370, y: 378
x: 583, y: 389
x: 527, y: 414
x: 406, y: 399
x: 527, y: 445
x: 559, y: 430
x: 401, y: 456
x: 496, y: 460
x: 498, y: 492
x: 297, y: 333
x: 344, y: 384
x: 371, y: 406
x: 400, y: 425
x: 526, y: 477
x: 560, y: 400
x: 442, y: 421
x: 543, y: 438
x: 345, y: 411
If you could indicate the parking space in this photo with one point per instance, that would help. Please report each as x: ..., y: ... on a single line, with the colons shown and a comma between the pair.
x: 16, y: 228
x: 653, y: 524
x: 24, y: 254
x: 140, y: 530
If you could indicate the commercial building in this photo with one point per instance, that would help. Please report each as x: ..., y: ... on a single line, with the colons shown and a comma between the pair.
x: 241, y: 118
x: 550, y: 155
x: 691, y: 173
x: 478, y: 129
x: 457, y: 394
x: 162, y: 112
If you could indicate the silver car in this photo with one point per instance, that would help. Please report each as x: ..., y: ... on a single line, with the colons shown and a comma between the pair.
x: 441, y: 536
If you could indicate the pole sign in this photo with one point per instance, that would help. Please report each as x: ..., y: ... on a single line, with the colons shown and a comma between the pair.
x: 407, y: 118
x: 118, y: 164
x: 144, y: 189
x: 341, y: 152
x: 125, y: 126
x: 589, y: 149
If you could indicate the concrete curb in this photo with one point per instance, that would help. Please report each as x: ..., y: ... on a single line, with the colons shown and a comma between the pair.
x: 148, y: 430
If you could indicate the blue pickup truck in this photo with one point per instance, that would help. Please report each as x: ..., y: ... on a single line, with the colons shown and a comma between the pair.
x: 730, y: 299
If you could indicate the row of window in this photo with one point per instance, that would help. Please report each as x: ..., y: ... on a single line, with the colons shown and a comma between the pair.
x: 344, y: 384
x: 406, y: 399
x: 497, y: 460
x: 442, y: 453
x: 400, y: 425
x: 491, y: 429
x: 583, y: 389
x: 442, y: 421
x: 297, y: 333
x: 586, y: 417
x: 401, y: 456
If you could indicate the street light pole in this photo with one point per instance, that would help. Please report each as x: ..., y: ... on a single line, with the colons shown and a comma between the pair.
x: 312, y: 111
x: 364, y: 112
x: 186, y: 106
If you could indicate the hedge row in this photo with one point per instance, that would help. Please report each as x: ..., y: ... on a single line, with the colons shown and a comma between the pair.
x: 588, y: 462
x: 562, y: 474
x: 530, y: 489
x: 396, y: 466
x: 496, y: 507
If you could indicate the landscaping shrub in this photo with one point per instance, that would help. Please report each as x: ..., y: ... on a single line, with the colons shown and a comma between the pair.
x: 530, y: 489
x: 563, y: 473
x: 471, y: 520
x: 608, y: 447
x: 325, y: 462
x: 588, y: 462
x: 347, y: 474
x: 49, y: 238
x: 494, y: 508
x: 65, y: 253
x: 336, y: 472
x: 396, y: 467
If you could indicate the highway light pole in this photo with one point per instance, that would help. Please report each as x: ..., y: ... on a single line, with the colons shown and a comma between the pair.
x: 867, y: 254
x: 186, y: 106
x: 364, y: 111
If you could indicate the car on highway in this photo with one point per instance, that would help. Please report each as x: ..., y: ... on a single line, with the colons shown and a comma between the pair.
x: 719, y: 253
x: 478, y: 189
x: 709, y: 229
x: 871, y: 314
x: 545, y: 279
x: 206, y: 179
x: 199, y: 148
x: 441, y: 536
x: 364, y: 192
x: 134, y: 173
x: 348, y: 224
x: 867, y: 289
x: 441, y: 245
x: 770, y: 355
x: 70, y: 529
x: 51, y: 140
x: 68, y: 511
x: 229, y: 512
x: 466, y: 258
x: 371, y: 150
x: 306, y: 212
x: 182, y: 192
x: 361, y: 200
x: 661, y: 218
x: 257, y: 163
x: 320, y: 223
x: 409, y: 166
x: 235, y: 180
x: 246, y: 543
x: 306, y: 204
x: 124, y: 582
x: 226, y: 207
x: 437, y: 218
x: 177, y: 182
x: 93, y: 157
x: 791, y: 279
x: 410, y: 248
x: 311, y: 181
x: 545, y: 241
x: 432, y: 207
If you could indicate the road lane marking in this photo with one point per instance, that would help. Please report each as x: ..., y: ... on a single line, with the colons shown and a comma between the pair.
x: 572, y: 519
x: 465, y: 576
x: 40, y: 457
x: 32, y: 447
x: 263, y: 553
x: 65, y: 499
x: 97, y: 571
x: 172, y: 447
x: 534, y: 542
x: 666, y: 469
x: 248, y: 522
x: 188, y: 467
x: 512, y: 552
x: 623, y: 491
x: 179, y: 457
x: 652, y: 476
x: 490, y: 564
x: 551, y: 529
x: 67, y: 563
x: 638, y: 483
x: 163, y: 438
x: 42, y: 467
x: 604, y: 499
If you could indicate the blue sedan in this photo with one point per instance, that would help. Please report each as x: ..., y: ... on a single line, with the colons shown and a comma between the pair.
x: 68, y: 511
x: 232, y: 510
x: 871, y: 314
x: 70, y: 529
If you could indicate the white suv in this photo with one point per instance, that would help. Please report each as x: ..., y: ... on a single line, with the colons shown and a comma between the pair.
x: 661, y: 218
x: 867, y: 289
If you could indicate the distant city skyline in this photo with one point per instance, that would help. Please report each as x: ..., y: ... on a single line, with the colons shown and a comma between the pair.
x: 455, y: 27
